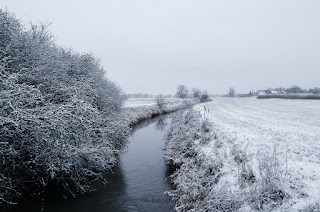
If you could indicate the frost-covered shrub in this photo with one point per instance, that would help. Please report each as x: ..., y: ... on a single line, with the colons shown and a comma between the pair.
x: 161, y: 103
x: 60, y: 117
x: 184, y: 131
x: 196, y: 175
x: 187, y: 130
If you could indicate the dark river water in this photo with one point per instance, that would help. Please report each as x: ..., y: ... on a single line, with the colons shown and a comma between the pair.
x: 137, y: 183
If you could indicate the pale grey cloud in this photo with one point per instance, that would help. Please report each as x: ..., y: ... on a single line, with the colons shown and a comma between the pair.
x: 152, y: 46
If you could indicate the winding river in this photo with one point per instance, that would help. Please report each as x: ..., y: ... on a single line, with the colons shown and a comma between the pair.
x: 137, y: 183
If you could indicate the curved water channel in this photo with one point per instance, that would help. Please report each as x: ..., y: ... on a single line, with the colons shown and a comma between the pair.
x: 137, y: 183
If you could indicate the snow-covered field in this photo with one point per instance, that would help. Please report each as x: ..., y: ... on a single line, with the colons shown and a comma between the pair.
x: 137, y: 102
x: 291, y: 128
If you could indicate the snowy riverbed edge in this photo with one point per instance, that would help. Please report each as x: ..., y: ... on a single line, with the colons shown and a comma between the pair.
x: 214, y: 174
x: 135, y: 115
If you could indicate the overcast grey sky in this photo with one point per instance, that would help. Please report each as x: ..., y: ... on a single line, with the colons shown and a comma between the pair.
x: 153, y: 46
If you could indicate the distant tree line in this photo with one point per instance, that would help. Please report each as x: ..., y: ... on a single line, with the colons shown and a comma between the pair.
x: 292, y: 90
x: 289, y: 96
x: 183, y: 92
x: 60, y: 117
x: 297, y: 89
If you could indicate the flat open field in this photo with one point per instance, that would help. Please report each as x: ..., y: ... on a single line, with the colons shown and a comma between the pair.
x: 258, y: 125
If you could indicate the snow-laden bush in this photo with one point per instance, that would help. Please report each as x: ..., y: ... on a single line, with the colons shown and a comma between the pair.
x: 60, y: 118
x: 161, y: 103
x: 184, y: 131
x: 195, y: 174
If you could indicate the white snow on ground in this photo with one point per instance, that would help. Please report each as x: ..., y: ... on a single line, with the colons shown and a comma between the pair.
x: 256, y: 125
x: 137, y: 102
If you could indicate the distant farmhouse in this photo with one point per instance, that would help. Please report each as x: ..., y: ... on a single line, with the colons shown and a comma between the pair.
x: 270, y: 91
x: 263, y: 92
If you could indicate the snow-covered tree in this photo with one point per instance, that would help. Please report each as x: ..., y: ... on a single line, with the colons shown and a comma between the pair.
x: 182, y: 91
x: 196, y: 93
x: 60, y: 117
x: 204, y: 96
x: 232, y: 92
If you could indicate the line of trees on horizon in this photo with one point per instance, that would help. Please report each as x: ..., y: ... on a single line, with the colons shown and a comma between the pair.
x: 280, y: 90
x: 295, y: 89
x: 183, y: 92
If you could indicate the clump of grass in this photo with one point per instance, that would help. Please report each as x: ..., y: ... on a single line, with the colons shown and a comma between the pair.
x: 311, y: 207
x: 221, y: 198
x: 270, y: 188
x: 206, y: 126
x: 245, y: 171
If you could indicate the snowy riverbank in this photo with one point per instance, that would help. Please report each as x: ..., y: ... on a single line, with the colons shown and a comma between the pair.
x: 257, y: 155
x: 137, y: 113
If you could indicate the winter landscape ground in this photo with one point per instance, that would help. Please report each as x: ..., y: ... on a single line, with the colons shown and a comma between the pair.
x: 262, y: 155
x: 66, y: 126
